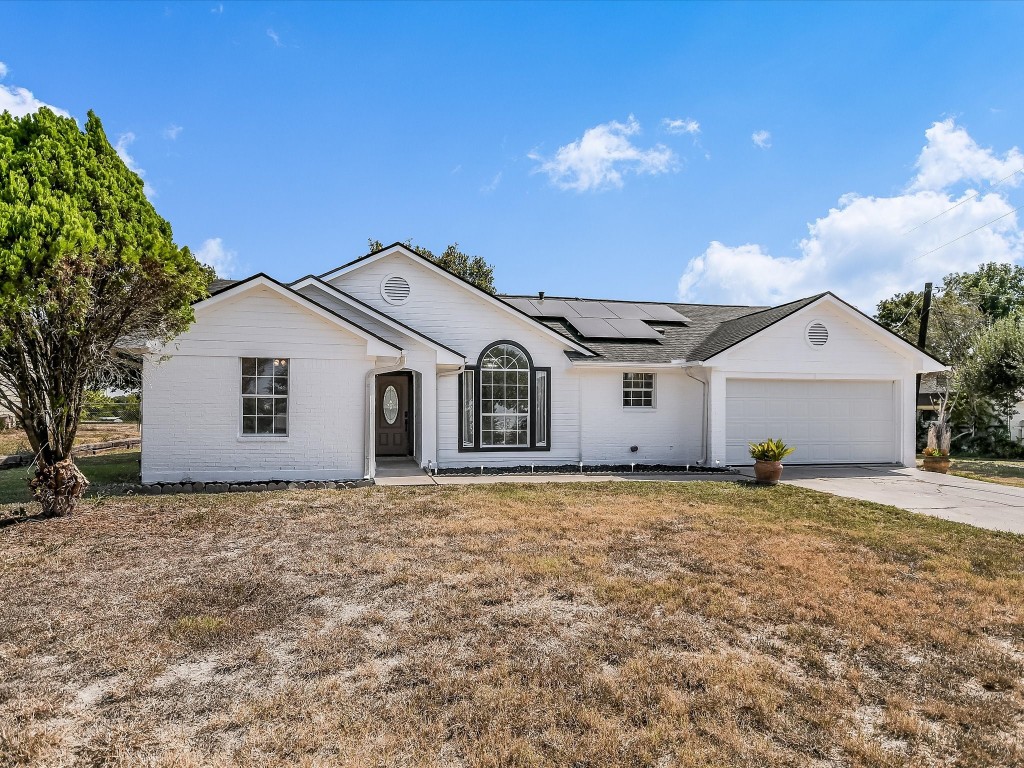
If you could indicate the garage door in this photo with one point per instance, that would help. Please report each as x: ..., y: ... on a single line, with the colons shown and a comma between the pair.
x: 827, y: 421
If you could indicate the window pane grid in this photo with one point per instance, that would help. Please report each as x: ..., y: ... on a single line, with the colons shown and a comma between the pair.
x: 505, y: 397
x: 542, y: 408
x: 264, y: 396
x: 638, y: 390
x: 468, y: 408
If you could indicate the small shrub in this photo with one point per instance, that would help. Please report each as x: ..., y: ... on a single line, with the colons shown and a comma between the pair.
x: 770, y: 450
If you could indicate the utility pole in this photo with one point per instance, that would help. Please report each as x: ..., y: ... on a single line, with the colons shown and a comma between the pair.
x: 922, y: 332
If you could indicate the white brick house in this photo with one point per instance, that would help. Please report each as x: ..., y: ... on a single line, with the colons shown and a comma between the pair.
x: 392, y: 355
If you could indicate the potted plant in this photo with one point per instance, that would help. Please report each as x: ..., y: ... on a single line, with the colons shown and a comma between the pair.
x: 936, y: 460
x: 768, y: 458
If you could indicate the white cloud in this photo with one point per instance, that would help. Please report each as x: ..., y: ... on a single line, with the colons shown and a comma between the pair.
x: 763, y: 139
x: 681, y: 125
x: 492, y: 184
x: 951, y: 156
x: 274, y: 36
x: 868, y: 248
x: 601, y: 158
x: 172, y: 131
x: 218, y: 9
x: 121, y: 147
x: 213, y: 253
x: 20, y: 101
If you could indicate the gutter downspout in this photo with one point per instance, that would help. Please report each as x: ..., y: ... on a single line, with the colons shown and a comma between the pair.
x: 704, y: 416
x: 437, y: 415
x: 369, y: 457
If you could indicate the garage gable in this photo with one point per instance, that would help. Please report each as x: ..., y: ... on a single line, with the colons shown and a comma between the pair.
x: 826, y: 336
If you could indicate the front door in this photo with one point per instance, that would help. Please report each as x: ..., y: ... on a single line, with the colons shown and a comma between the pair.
x: 394, y: 415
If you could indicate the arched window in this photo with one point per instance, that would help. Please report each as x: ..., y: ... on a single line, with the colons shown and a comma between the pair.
x: 504, y: 401
x: 504, y: 397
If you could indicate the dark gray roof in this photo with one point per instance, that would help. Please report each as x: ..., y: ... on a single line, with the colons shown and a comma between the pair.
x: 218, y: 284
x: 711, y: 329
x: 734, y: 331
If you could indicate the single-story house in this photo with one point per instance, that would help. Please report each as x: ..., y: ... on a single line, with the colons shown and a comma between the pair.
x: 391, y: 355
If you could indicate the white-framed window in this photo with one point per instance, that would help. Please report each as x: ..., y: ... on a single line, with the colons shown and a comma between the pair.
x: 638, y: 390
x: 265, y: 396
x: 541, y: 378
x: 504, y: 397
x: 468, y: 416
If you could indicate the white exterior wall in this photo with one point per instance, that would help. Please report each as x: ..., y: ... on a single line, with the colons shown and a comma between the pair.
x: 192, y: 397
x: 669, y: 433
x: 853, y: 353
x: 452, y: 315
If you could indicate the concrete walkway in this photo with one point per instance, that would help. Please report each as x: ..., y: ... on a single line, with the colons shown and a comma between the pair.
x: 986, y: 505
x: 392, y: 472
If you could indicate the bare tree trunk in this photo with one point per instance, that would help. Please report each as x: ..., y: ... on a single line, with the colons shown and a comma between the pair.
x: 58, y: 487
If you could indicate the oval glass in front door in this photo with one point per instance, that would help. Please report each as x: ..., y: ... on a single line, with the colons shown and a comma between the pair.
x: 390, y: 405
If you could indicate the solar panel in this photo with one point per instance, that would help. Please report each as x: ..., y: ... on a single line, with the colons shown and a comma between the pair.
x: 523, y: 305
x: 665, y: 313
x: 618, y: 319
x: 625, y: 311
x: 553, y: 308
x: 589, y: 308
x: 594, y: 328
x: 634, y: 329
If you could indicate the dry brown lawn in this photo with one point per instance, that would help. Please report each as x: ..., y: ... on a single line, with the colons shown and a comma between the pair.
x: 14, y: 440
x: 699, y: 624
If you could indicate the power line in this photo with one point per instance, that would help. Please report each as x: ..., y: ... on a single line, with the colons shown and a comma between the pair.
x: 933, y: 250
x: 906, y: 316
x: 965, y: 200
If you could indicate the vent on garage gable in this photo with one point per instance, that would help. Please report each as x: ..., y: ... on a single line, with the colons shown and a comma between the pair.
x: 395, y: 289
x: 817, y: 334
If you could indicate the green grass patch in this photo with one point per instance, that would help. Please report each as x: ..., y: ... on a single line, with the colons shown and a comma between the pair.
x: 1002, y: 471
x: 103, y: 471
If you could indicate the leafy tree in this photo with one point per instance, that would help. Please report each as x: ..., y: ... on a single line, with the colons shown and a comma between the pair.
x: 473, y: 269
x: 87, y: 267
x: 953, y: 322
x: 996, y: 289
x: 995, y: 366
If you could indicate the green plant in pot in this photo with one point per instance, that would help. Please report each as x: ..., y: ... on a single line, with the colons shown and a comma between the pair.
x: 768, y: 458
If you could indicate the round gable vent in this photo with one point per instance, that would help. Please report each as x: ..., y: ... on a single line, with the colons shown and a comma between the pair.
x: 817, y: 334
x: 395, y: 289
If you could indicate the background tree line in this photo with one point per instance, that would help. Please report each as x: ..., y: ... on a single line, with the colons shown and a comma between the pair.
x: 976, y: 326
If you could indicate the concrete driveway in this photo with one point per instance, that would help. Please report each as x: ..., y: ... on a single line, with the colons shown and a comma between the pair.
x: 986, y: 505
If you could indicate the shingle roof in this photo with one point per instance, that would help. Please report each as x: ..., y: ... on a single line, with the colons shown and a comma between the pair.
x: 712, y: 328
x: 218, y: 284
x: 734, y: 331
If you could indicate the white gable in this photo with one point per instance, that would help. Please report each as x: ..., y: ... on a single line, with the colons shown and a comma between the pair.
x: 442, y: 306
x: 258, y: 318
x: 854, y: 346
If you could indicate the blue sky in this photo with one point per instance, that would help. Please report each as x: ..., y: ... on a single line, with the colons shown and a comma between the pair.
x: 719, y: 152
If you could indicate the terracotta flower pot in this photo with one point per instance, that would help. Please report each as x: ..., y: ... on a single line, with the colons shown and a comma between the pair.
x: 767, y: 472
x: 936, y: 464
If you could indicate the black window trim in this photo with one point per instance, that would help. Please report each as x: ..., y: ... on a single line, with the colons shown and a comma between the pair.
x: 477, y: 395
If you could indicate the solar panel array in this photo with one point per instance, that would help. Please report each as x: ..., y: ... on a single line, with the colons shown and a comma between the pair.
x: 603, y: 319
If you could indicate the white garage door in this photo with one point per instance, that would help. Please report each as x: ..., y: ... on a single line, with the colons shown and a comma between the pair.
x: 827, y: 421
